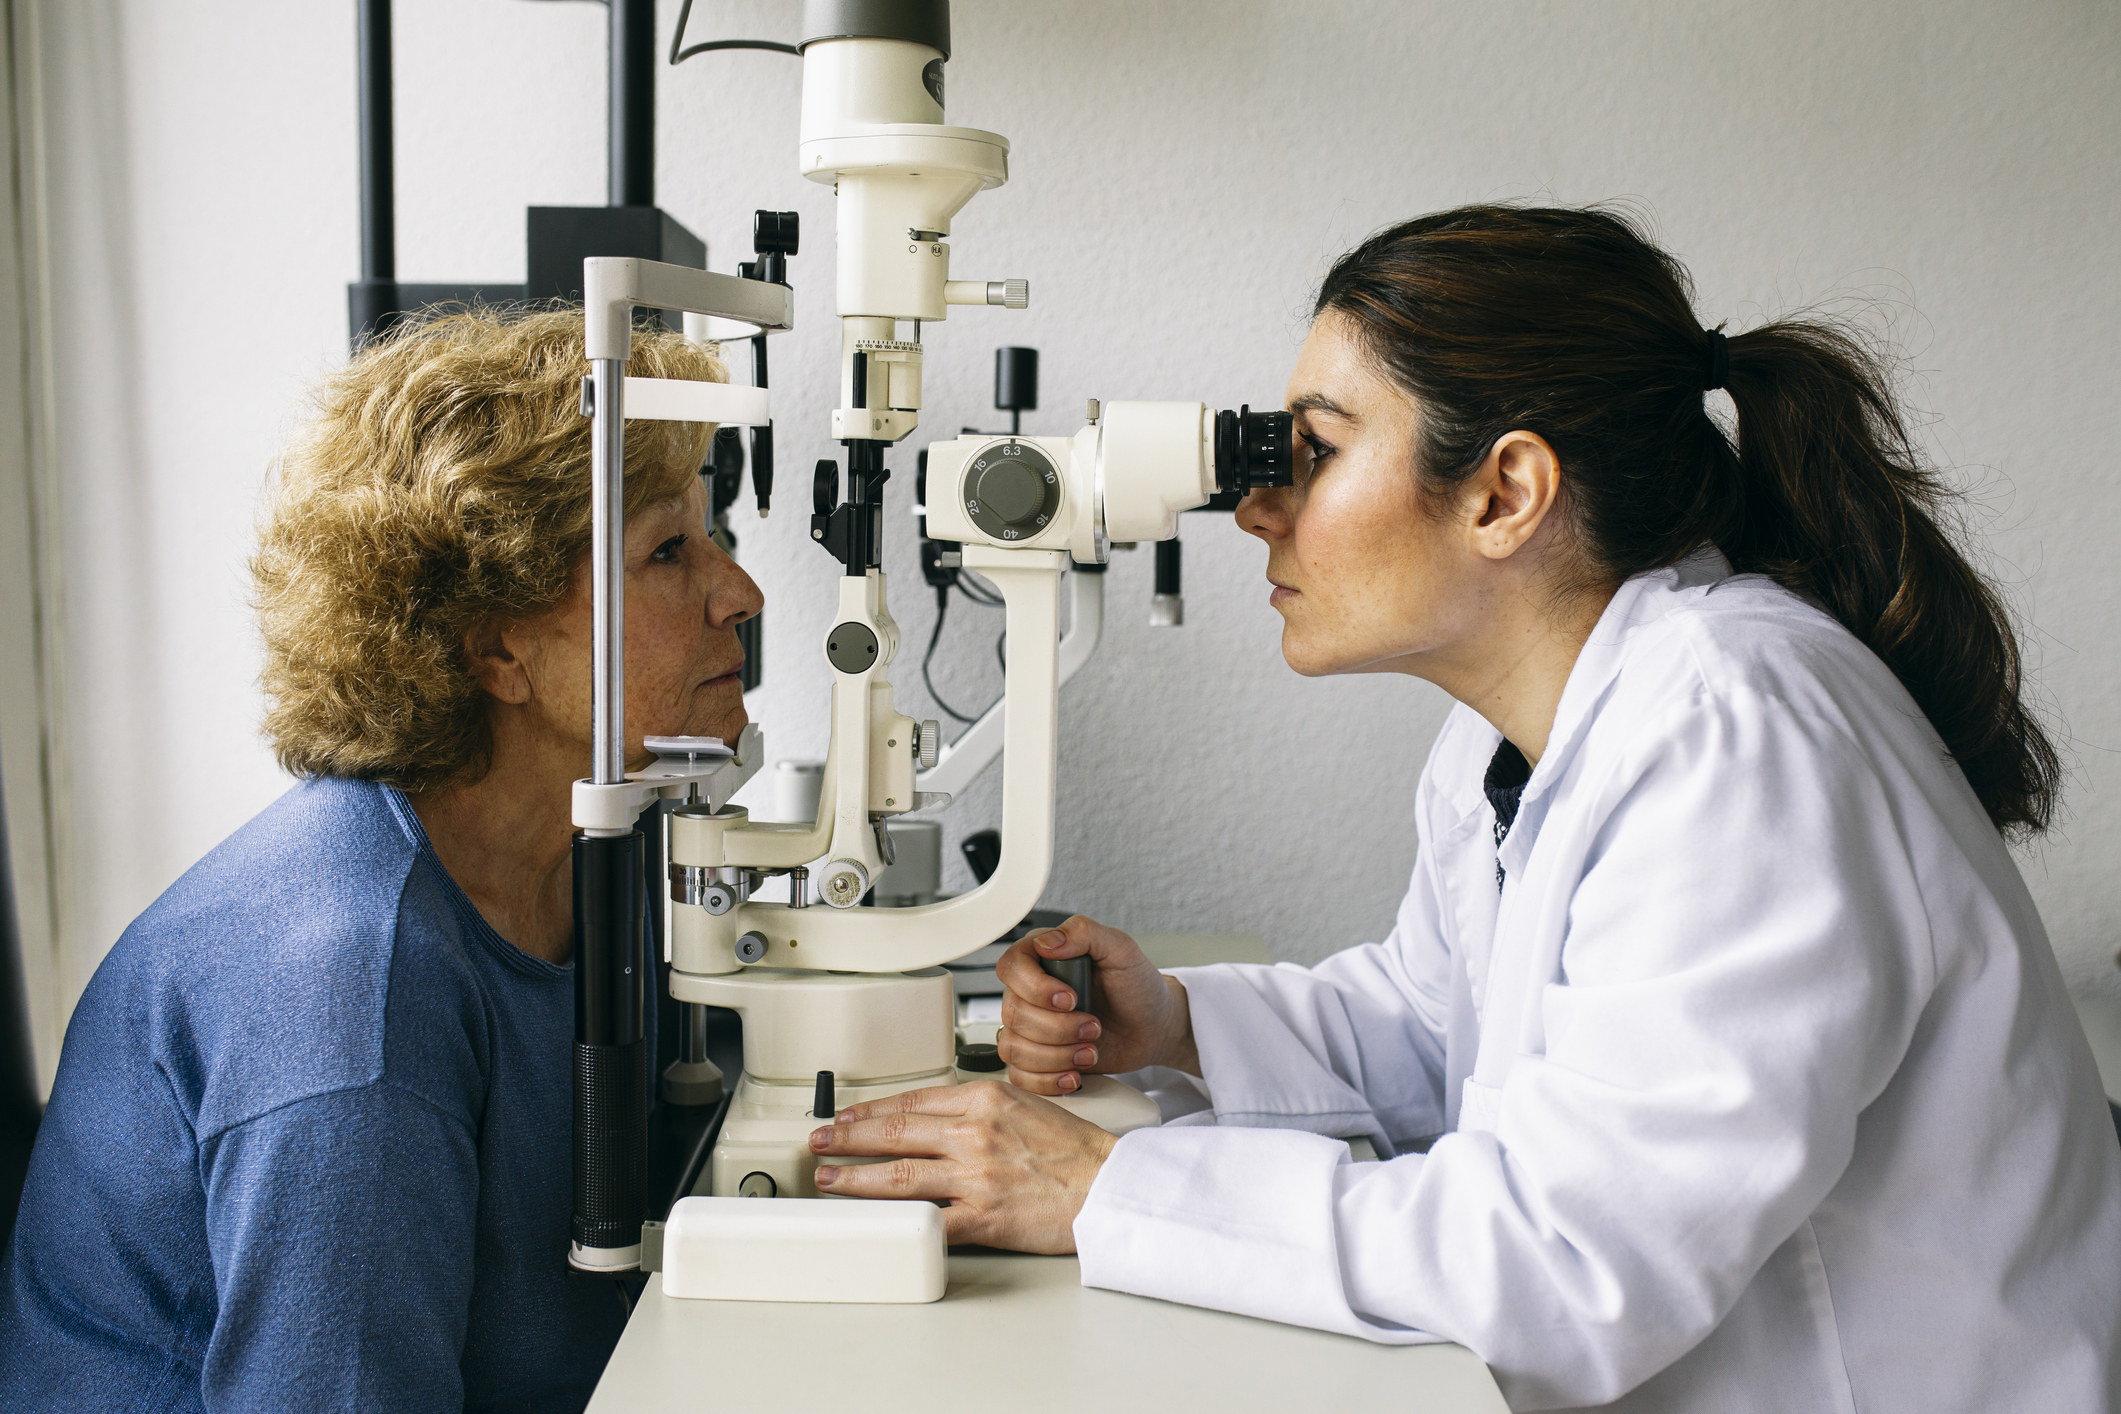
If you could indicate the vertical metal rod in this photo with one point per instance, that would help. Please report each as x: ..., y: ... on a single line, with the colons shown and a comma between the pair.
x: 607, y: 552
x: 631, y: 173
x: 692, y: 1037
x: 379, y: 246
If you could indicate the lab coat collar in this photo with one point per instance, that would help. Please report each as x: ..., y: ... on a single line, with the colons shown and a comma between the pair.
x: 1638, y: 605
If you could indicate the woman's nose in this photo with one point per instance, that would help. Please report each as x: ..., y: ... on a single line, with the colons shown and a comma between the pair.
x: 733, y: 595
x: 1264, y: 513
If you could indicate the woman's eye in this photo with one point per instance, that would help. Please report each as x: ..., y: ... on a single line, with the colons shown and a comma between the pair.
x: 1319, y: 450
x: 667, y: 553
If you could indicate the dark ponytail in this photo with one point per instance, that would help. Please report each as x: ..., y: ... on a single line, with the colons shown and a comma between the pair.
x: 1572, y: 325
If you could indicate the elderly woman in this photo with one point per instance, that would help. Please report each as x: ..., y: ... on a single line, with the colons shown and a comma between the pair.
x: 308, y: 1145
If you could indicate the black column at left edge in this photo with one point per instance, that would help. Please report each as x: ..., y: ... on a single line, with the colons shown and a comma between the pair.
x: 610, y: 1043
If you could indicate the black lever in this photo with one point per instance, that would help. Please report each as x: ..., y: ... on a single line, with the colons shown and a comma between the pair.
x: 982, y: 850
x: 775, y: 235
x: 1076, y: 973
x: 1016, y: 384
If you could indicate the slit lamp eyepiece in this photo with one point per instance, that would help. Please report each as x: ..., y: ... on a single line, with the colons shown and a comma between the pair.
x: 1252, y: 449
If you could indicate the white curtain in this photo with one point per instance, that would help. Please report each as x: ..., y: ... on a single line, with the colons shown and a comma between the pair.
x: 32, y: 759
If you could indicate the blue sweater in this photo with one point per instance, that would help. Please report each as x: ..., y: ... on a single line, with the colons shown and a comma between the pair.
x: 308, y: 1147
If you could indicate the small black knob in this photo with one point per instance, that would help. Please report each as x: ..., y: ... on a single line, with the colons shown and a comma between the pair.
x: 824, y: 1105
x: 978, y: 1056
x: 774, y: 237
x: 776, y: 232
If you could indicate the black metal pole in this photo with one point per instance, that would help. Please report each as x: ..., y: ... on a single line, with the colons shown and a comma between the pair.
x: 610, y: 1051
x: 372, y: 301
x: 632, y: 163
x: 379, y: 244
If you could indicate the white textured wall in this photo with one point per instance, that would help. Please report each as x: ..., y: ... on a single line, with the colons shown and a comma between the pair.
x: 1182, y: 175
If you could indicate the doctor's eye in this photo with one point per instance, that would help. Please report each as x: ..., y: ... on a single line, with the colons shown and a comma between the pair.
x: 670, y: 550
x: 1319, y: 450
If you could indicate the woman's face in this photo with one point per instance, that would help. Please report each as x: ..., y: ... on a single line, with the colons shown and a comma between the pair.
x: 1365, y: 577
x: 684, y: 599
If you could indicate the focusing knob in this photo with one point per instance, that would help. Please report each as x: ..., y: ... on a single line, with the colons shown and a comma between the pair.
x: 1012, y: 491
x: 842, y: 883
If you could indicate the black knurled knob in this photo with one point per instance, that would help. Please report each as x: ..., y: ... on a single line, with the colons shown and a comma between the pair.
x: 825, y: 487
x: 776, y: 232
x: 978, y: 1056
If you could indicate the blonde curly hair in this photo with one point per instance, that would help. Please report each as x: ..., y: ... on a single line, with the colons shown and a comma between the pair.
x: 440, y: 482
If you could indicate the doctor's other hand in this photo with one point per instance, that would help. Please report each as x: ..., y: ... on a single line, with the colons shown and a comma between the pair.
x: 1013, y: 1168
x: 1048, y: 1042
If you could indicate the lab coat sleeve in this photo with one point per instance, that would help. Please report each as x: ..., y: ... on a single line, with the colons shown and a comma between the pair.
x: 1744, y: 959
x: 1352, y: 1047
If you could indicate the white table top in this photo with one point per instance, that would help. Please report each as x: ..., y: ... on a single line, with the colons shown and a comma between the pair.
x: 1015, y: 1333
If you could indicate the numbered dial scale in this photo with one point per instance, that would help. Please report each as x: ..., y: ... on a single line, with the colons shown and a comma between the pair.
x: 1012, y: 490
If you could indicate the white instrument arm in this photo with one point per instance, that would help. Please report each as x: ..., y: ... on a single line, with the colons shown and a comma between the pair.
x: 974, y: 751
x: 821, y: 938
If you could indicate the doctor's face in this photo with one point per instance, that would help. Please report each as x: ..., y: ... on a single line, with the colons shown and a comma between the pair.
x: 1367, y: 576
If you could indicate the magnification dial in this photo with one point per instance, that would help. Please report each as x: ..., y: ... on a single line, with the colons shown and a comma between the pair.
x: 1012, y: 491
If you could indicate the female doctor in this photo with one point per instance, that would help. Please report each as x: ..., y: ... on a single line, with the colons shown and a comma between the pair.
x: 1718, y: 1059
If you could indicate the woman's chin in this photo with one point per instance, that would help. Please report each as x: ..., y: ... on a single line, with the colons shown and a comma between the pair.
x: 1314, y: 662
x: 718, y: 710
x: 728, y: 724
x: 1303, y: 658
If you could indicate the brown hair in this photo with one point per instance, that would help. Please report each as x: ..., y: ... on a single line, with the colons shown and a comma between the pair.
x: 1573, y: 325
x: 440, y: 482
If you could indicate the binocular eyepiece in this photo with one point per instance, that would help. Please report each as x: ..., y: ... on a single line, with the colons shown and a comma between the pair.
x: 1251, y: 449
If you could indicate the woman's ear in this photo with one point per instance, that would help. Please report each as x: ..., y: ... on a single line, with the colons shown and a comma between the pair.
x: 492, y: 649
x: 1513, y: 492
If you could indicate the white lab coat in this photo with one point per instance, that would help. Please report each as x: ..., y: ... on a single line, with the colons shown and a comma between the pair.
x: 1757, y: 1087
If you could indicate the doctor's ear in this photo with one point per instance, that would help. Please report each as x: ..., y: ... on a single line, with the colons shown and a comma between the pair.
x: 1512, y: 493
x: 492, y: 652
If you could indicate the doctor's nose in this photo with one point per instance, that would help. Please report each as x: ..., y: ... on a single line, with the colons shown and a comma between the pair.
x: 1265, y: 513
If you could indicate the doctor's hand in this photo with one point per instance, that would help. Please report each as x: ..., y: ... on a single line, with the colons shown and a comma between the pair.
x: 1013, y: 1168
x: 1048, y: 1043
